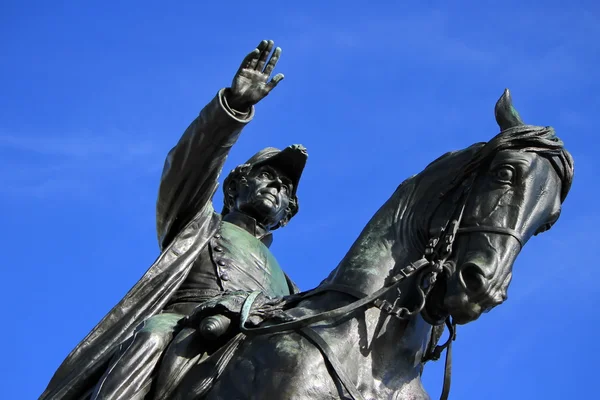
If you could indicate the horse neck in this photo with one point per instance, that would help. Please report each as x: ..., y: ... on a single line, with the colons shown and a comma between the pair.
x: 391, y: 352
x: 389, y: 241
x: 392, y: 239
x: 395, y: 350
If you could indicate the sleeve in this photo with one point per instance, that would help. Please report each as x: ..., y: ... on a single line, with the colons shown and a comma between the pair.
x: 192, y: 167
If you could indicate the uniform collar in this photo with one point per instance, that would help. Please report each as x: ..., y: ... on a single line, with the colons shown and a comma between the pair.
x: 249, y: 224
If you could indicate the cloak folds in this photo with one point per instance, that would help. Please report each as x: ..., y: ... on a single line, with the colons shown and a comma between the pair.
x: 80, y: 372
x: 186, y: 221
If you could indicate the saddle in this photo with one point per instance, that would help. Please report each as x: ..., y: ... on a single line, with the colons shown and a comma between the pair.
x: 208, y: 338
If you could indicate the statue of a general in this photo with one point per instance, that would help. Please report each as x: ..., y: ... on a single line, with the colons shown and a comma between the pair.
x: 215, y: 317
x: 203, y: 253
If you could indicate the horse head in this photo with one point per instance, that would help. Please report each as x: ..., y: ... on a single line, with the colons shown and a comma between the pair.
x: 511, y: 189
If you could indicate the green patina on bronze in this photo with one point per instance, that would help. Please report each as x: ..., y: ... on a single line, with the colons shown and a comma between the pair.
x: 439, y: 251
x: 253, y: 263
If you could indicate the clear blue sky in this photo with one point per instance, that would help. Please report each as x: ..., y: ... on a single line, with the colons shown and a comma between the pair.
x: 93, y: 96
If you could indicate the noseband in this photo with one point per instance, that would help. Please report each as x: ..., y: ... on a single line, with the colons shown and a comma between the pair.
x: 494, y: 229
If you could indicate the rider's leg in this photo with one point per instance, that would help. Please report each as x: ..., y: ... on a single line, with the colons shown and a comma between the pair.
x: 186, y: 349
x: 134, y: 363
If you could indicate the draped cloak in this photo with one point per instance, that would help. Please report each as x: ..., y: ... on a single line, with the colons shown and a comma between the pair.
x: 186, y: 220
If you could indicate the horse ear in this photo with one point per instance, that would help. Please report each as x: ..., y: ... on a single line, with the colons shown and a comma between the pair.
x: 506, y: 115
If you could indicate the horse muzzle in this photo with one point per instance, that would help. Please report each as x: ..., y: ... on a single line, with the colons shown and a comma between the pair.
x: 471, y: 292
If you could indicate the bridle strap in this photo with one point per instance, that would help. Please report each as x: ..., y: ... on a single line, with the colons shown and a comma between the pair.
x: 333, y: 287
x: 340, y: 312
x: 492, y: 229
x: 447, y: 372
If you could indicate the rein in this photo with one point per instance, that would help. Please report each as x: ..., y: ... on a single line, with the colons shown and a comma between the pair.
x: 437, y: 252
x: 362, y: 301
x: 301, y: 325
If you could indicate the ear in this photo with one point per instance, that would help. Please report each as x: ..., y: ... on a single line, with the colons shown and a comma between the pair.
x: 230, y: 193
x: 506, y: 114
x: 232, y: 187
x: 286, y: 219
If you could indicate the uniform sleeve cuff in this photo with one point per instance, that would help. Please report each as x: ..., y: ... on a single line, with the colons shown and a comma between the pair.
x: 239, y: 116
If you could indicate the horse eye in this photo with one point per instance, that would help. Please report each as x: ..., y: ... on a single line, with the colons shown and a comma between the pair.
x: 504, y: 174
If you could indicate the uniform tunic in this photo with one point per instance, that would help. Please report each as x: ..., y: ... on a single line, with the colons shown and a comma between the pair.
x: 234, y: 260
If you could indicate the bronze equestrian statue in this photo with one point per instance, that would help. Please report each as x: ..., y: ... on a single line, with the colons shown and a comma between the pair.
x: 438, y: 253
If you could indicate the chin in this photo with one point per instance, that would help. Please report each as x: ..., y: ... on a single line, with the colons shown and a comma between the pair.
x: 265, y: 208
x: 462, y: 310
x: 261, y: 210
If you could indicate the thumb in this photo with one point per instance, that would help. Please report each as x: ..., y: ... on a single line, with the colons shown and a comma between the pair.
x: 276, y: 79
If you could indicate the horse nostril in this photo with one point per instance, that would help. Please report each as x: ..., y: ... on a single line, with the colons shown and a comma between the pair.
x: 472, y: 277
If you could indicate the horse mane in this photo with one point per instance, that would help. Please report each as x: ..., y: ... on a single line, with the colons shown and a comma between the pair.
x: 537, y: 139
x: 430, y: 189
x: 400, y: 219
x: 411, y: 209
x: 527, y: 138
x: 515, y: 134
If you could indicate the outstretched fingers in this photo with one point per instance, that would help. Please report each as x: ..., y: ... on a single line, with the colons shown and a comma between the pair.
x: 264, y: 55
x: 273, y: 61
x: 249, y: 60
x: 257, y: 53
x: 258, y: 65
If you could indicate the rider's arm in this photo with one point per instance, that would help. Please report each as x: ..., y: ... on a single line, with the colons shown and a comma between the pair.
x: 192, y: 167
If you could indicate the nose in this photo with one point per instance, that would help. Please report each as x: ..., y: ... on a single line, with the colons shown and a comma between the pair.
x: 477, y: 285
x: 275, y: 183
x: 272, y: 189
x: 473, y: 278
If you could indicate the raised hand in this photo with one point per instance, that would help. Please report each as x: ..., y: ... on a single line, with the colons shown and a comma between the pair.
x: 251, y: 83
